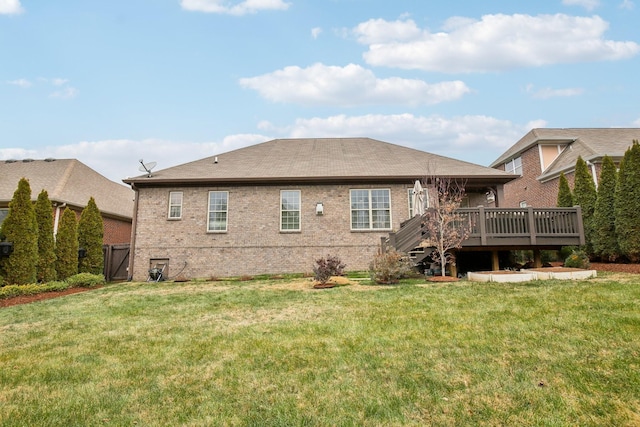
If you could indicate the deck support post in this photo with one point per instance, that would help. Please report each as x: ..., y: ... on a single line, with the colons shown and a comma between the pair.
x: 453, y: 269
x: 495, y: 261
x: 537, y: 259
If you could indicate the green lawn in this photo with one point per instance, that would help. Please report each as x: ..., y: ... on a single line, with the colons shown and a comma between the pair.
x: 276, y: 352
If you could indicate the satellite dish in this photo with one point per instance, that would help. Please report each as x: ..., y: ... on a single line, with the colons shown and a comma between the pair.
x: 146, y: 167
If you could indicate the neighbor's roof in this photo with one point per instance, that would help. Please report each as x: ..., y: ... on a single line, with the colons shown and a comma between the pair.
x: 320, y: 160
x: 66, y: 181
x: 589, y: 143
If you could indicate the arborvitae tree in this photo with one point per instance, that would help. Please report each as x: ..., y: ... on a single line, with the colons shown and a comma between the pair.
x: 605, y: 243
x: 565, y: 198
x: 584, y: 195
x: 20, y: 228
x: 46, y: 242
x: 90, y: 234
x: 67, y: 245
x: 627, y: 204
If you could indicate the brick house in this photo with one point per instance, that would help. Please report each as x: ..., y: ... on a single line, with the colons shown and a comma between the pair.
x: 70, y: 183
x: 541, y: 155
x: 277, y: 206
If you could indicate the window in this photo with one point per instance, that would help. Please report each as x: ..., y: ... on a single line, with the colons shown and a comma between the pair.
x: 175, y: 204
x: 290, y: 210
x: 218, y: 205
x: 370, y: 209
x: 514, y: 166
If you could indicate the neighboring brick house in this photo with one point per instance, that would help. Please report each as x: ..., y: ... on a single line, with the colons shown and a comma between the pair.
x: 71, y: 183
x: 542, y: 154
x: 278, y: 206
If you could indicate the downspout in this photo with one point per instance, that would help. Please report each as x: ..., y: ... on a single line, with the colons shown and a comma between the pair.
x: 134, y: 222
x: 56, y: 220
x: 593, y: 173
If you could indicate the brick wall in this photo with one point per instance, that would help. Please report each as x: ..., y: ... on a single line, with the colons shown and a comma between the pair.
x: 253, y: 243
x: 528, y: 189
x: 116, y: 231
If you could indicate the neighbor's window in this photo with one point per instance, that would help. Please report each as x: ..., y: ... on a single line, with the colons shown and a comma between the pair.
x: 290, y: 210
x: 371, y: 209
x: 514, y: 166
x: 3, y: 214
x: 175, y: 204
x: 218, y: 206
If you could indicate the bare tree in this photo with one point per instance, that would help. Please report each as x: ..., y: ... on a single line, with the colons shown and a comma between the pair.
x: 445, y: 228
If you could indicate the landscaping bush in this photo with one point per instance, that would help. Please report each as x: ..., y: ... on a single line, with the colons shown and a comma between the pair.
x: 46, y: 271
x: 20, y: 228
x: 327, y: 267
x: 67, y: 245
x: 577, y: 259
x: 32, y: 289
x: 389, y: 267
x: 90, y: 236
x: 85, y: 280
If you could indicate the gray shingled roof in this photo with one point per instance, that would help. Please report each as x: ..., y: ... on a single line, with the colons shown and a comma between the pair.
x: 590, y: 143
x: 319, y: 160
x: 66, y: 181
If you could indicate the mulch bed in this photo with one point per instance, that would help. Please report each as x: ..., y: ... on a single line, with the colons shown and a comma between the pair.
x: 25, y: 299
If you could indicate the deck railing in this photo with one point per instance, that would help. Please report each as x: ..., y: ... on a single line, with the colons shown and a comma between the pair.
x: 504, y: 227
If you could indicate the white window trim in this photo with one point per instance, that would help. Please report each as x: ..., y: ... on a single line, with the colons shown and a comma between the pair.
x: 174, y: 205
x: 513, y: 169
x: 226, y: 224
x: 299, y: 210
x: 370, y: 210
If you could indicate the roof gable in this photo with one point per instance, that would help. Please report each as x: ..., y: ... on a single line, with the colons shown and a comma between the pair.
x: 590, y: 142
x: 66, y: 181
x: 318, y: 159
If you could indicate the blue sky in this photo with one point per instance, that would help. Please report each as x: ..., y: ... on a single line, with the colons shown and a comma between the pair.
x: 171, y: 81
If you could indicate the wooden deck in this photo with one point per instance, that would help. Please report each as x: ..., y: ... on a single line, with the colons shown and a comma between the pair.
x: 503, y: 229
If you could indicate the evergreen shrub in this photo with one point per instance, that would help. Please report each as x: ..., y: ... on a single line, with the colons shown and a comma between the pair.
x: 578, y: 259
x: 85, y: 280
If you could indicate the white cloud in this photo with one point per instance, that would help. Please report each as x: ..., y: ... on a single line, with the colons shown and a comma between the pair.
x: 59, y: 81
x: 315, y: 32
x: 627, y: 4
x: 547, y: 92
x: 117, y: 159
x: 478, y: 139
x: 348, y: 86
x: 10, y: 7
x: 238, y: 8
x: 376, y: 31
x: 587, y: 4
x: 23, y: 83
x: 493, y: 43
x: 65, y: 93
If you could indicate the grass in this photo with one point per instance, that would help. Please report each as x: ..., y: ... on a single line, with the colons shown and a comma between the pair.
x: 275, y: 352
